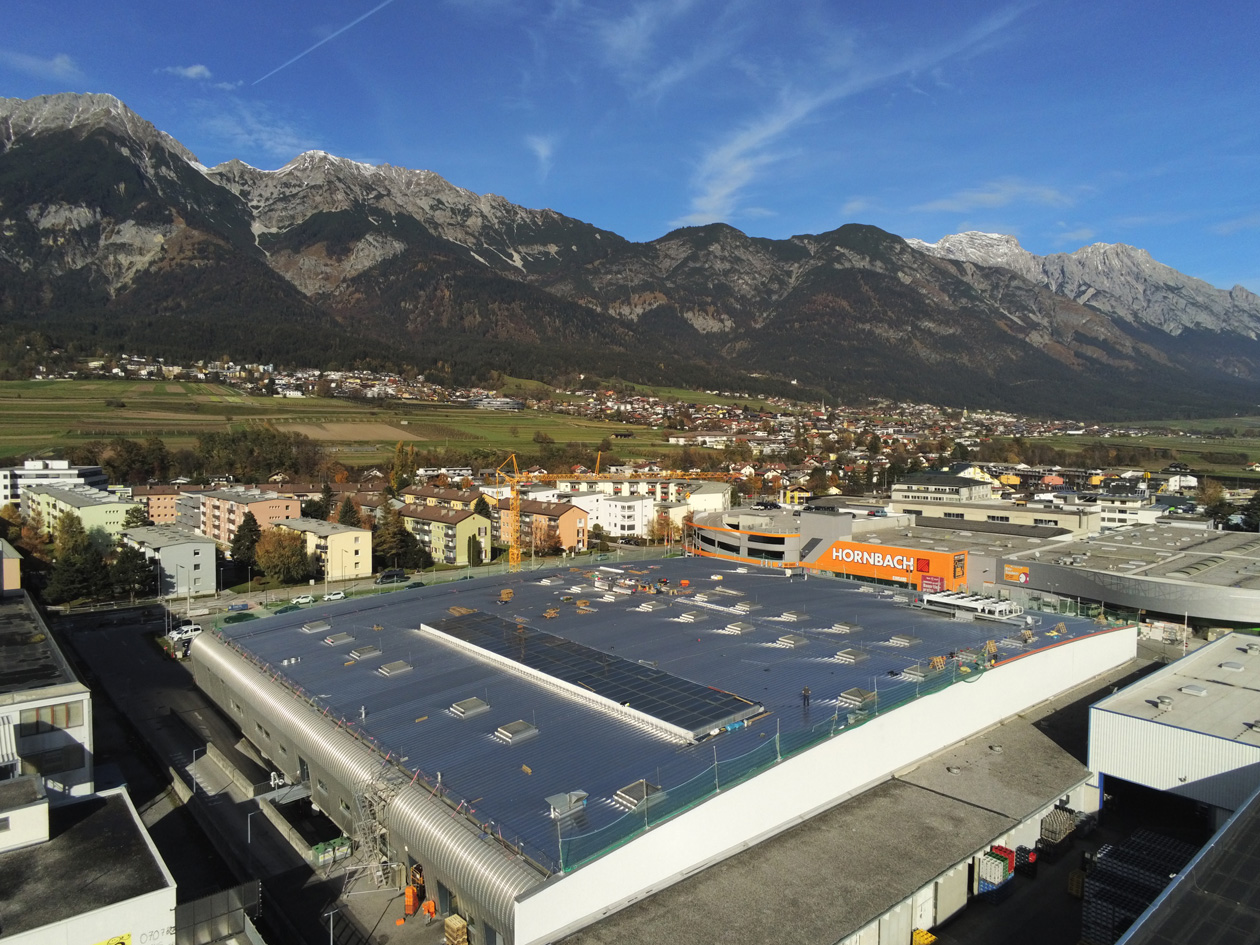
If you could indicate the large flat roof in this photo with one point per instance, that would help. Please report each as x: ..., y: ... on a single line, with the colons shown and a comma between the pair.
x: 842, y: 869
x: 29, y: 658
x: 1168, y: 551
x: 96, y: 855
x: 787, y: 638
x: 1224, y: 678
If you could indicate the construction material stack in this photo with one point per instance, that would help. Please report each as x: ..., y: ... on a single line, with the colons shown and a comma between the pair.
x: 1125, y: 879
x: 456, y: 930
x: 1057, y: 828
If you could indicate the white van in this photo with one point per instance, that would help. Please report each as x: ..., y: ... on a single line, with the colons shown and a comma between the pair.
x: 182, y: 634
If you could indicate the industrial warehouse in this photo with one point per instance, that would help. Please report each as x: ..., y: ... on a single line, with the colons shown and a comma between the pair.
x: 551, y: 747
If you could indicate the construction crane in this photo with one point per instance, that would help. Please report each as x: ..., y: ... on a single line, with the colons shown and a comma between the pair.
x: 510, y: 518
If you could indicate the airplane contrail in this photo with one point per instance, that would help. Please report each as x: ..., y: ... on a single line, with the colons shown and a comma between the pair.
x: 330, y: 36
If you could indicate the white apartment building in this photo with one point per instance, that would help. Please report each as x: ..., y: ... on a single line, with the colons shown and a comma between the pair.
x: 620, y: 516
x: 41, y: 472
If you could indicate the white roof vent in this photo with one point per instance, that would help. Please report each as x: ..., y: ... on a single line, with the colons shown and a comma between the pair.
x: 363, y: 652
x: 336, y: 639
x: 1232, y: 666
x: 1194, y: 690
x: 515, y: 732
x: 396, y: 668
x: 316, y: 626
x: 1165, y: 701
x: 467, y: 708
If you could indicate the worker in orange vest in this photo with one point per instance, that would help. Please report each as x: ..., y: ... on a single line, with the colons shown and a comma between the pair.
x: 430, y: 911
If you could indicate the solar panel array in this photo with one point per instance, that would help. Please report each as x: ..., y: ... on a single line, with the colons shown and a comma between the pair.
x: 671, y: 699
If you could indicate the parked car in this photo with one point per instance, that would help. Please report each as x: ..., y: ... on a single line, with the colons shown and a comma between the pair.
x: 185, y: 633
x: 392, y: 576
x: 335, y: 595
x: 303, y: 599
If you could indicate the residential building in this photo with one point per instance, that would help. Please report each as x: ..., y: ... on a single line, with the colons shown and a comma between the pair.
x: 45, y: 710
x: 36, y: 472
x: 186, y: 561
x: 619, y: 516
x: 10, y: 569
x: 445, y: 532
x: 545, y: 524
x: 102, y: 513
x: 341, y: 552
x: 161, y: 502
x: 223, y: 510
x: 439, y: 496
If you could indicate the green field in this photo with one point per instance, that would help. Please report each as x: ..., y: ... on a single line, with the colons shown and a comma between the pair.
x: 520, y: 387
x: 40, y: 418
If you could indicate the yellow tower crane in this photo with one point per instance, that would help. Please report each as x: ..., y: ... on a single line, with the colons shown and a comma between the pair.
x: 510, y: 518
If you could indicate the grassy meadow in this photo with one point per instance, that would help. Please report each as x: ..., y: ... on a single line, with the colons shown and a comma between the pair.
x: 42, y: 417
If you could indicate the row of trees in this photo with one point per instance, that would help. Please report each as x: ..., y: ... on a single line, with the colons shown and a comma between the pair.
x: 249, y: 455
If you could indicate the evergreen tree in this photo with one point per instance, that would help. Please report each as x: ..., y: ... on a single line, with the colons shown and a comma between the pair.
x: 474, y: 551
x: 79, y: 573
x: 326, y: 502
x: 71, y: 538
x: 481, y: 506
x: 130, y: 573
x: 392, y: 544
x: 348, y: 514
x: 245, y: 541
x: 136, y: 517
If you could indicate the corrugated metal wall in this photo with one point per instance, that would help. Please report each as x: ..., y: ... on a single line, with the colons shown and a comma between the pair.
x: 1207, y: 768
x: 478, y: 870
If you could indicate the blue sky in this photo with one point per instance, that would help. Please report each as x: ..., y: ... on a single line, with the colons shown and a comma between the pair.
x: 1062, y: 123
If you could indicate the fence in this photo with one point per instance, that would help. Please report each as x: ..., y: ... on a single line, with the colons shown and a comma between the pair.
x: 656, y: 808
x: 215, y: 917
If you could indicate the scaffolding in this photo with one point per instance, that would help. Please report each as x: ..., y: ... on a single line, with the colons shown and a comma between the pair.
x: 373, y: 857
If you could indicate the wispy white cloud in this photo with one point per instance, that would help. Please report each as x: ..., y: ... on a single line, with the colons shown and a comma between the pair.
x: 1238, y: 224
x: 1080, y: 235
x: 228, y: 86
x: 188, y: 72
x: 544, y: 148
x: 731, y: 165
x: 60, y: 66
x: 630, y: 37
x: 252, y: 128
x: 998, y: 193
x: 855, y: 205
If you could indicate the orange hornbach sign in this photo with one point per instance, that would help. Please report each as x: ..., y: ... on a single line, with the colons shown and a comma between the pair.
x: 945, y: 570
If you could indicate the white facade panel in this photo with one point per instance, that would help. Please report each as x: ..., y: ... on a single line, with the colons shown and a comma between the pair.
x: 809, y: 783
x: 894, y: 926
x: 1210, y: 769
x: 144, y: 920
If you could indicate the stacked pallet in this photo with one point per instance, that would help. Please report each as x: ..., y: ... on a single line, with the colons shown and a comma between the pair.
x: 1057, y: 828
x: 995, y: 874
x: 922, y: 937
x: 1125, y: 879
x: 1026, y: 862
x: 456, y: 930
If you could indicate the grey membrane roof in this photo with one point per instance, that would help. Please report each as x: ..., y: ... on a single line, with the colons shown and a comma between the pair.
x: 1210, y: 690
x: 29, y: 659
x: 96, y: 841
x: 1169, y: 551
x: 578, y: 747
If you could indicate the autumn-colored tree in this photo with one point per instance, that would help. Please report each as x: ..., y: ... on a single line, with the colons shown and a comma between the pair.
x: 282, y: 555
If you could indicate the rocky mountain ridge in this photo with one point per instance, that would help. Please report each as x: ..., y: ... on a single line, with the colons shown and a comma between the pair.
x: 1120, y: 280
x: 111, y: 230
